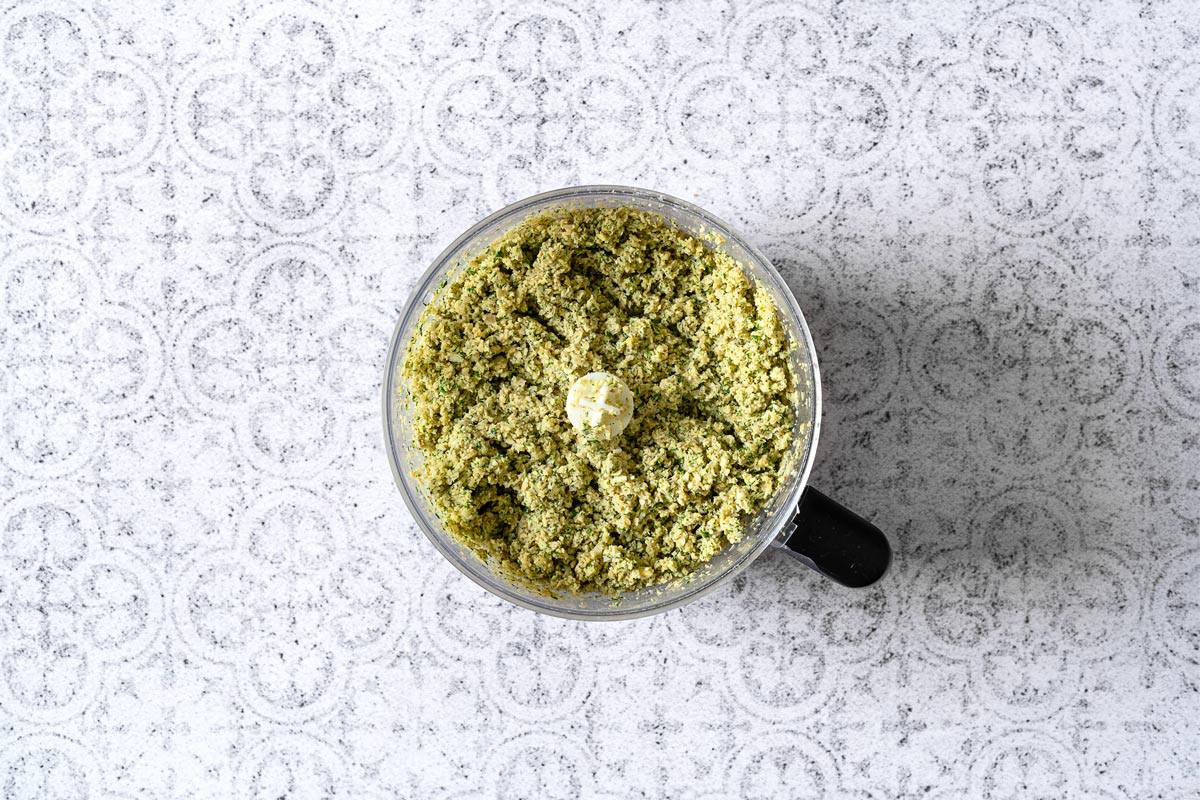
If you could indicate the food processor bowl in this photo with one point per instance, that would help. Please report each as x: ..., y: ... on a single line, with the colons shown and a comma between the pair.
x: 776, y: 523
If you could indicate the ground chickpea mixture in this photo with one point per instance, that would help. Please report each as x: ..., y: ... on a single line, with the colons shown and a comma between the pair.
x: 616, y: 290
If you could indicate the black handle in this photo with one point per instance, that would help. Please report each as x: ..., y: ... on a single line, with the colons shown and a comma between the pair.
x: 836, y: 542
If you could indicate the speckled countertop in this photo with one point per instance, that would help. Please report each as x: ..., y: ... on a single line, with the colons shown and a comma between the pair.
x: 211, y: 214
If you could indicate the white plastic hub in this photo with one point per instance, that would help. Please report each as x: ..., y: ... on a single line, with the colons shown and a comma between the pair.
x: 600, y: 403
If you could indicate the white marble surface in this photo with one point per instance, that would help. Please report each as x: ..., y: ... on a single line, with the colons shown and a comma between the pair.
x: 211, y: 213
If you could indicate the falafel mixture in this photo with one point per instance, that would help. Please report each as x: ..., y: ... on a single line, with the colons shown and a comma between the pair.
x: 573, y: 291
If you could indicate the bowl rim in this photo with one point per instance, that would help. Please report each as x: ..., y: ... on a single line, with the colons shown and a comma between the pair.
x: 499, y: 587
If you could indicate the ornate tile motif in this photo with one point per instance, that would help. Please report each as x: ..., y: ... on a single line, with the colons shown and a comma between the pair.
x: 542, y: 105
x: 210, y: 215
x: 75, y: 115
x: 290, y: 116
x: 784, y: 114
x: 1031, y: 116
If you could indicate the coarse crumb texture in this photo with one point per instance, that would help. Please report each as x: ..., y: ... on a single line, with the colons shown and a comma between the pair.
x: 619, y: 290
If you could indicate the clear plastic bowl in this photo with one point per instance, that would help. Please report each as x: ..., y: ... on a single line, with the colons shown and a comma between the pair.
x: 761, y: 531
